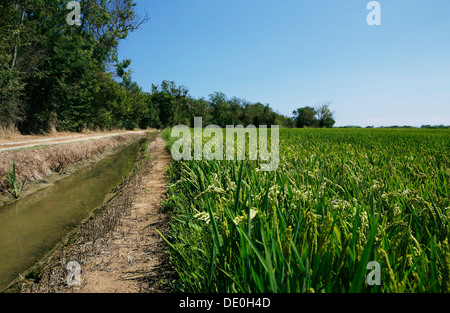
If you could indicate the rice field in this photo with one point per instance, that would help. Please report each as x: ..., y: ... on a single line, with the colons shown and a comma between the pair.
x: 339, y: 199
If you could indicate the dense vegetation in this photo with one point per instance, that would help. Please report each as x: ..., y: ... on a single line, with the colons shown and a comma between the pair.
x: 53, y: 75
x: 339, y: 199
x: 320, y: 116
x: 176, y: 107
x: 66, y: 77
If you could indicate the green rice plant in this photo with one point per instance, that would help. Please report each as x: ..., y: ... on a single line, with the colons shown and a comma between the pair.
x: 16, y: 186
x: 339, y: 199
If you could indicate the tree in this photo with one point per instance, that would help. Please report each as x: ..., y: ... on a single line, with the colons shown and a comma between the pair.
x: 109, y: 21
x: 324, y: 115
x: 171, y: 102
x: 320, y: 116
x: 12, y: 34
x: 55, y: 75
x: 220, y: 109
x: 235, y: 111
x: 10, y: 92
x: 284, y: 121
x: 200, y: 108
x: 305, y: 117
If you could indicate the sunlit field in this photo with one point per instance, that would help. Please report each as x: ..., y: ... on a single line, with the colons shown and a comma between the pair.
x: 339, y: 199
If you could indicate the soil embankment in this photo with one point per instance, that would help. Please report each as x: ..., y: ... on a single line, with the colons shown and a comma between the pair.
x: 134, y: 259
x: 40, y: 166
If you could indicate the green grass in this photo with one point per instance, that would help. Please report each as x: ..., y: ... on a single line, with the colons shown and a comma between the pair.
x: 15, y: 185
x: 339, y: 199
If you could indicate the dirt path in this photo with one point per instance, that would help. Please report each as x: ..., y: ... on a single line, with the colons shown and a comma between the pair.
x: 133, y: 259
x: 14, y: 145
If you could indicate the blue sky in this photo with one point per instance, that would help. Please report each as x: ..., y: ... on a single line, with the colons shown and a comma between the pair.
x: 296, y: 53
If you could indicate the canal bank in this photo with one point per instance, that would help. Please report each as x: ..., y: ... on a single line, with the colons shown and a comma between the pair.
x: 40, y: 167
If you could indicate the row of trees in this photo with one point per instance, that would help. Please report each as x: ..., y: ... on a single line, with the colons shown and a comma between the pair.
x: 56, y: 76
x: 320, y: 116
x: 176, y: 107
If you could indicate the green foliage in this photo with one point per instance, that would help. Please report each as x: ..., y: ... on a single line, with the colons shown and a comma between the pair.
x: 57, y: 76
x: 339, y: 199
x: 170, y: 101
x: 305, y: 117
x: 324, y: 115
x: 321, y: 116
x: 16, y: 186
x: 11, y: 89
x: 53, y: 75
x: 176, y: 107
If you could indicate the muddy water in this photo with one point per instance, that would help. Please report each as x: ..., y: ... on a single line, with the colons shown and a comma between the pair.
x: 32, y: 226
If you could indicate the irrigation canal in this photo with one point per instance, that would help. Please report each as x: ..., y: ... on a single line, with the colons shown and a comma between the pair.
x: 32, y: 226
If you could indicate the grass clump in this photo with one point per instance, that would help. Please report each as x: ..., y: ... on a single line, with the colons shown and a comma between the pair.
x: 15, y: 185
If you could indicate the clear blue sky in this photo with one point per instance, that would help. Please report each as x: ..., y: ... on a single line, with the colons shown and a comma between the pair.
x: 295, y: 53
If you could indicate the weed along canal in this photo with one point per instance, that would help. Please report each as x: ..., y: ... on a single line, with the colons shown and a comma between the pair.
x: 32, y: 226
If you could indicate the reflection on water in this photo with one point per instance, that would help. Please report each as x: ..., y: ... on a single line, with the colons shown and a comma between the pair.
x: 32, y: 226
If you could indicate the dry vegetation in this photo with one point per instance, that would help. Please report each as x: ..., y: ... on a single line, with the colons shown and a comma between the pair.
x: 8, y: 133
x: 12, y: 134
x: 35, y: 165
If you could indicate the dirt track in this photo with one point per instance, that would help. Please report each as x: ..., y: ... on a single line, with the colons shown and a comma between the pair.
x: 15, y: 145
x: 132, y: 261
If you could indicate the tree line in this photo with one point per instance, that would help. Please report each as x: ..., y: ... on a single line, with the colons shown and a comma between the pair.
x: 176, y: 107
x: 56, y: 76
